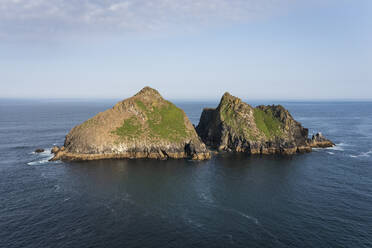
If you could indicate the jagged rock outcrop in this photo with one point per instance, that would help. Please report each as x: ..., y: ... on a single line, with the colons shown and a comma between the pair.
x: 55, y: 149
x: 236, y: 126
x: 319, y: 141
x: 143, y: 126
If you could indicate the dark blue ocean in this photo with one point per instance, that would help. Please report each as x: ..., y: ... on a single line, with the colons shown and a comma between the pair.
x: 321, y: 199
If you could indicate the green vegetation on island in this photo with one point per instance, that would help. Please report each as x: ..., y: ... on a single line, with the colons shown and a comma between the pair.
x: 165, y: 121
x: 131, y: 128
x: 267, y: 123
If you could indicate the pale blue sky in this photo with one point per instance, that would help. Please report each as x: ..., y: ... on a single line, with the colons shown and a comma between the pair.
x: 255, y: 49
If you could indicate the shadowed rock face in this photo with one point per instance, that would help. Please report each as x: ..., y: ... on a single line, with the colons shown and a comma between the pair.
x: 143, y: 126
x: 236, y: 126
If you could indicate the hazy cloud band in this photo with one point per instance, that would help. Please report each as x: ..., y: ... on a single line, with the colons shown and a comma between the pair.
x: 32, y: 17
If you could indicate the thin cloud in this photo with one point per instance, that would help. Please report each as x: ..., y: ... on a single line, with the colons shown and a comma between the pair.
x: 35, y: 17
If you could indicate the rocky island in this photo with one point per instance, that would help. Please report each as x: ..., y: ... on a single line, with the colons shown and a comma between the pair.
x: 238, y: 127
x: 148, y: 126
x: 143, y: 126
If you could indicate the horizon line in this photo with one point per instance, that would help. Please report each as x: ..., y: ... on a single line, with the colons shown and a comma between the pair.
x: 188, y: 99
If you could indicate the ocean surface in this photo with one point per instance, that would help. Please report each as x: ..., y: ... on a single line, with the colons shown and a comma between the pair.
x: 321, y: 199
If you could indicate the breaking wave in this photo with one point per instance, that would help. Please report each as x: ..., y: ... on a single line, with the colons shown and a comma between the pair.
x: 42, y: 157
x: 363, y: 154
x: 338, y: 147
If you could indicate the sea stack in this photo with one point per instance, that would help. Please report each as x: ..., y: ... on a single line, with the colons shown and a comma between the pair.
x: 237, y: 126
x: 143, y: 126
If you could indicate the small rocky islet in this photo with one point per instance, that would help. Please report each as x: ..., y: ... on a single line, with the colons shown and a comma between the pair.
x: 148, y: 126
x: 235, y: 126
x: 143, y: 126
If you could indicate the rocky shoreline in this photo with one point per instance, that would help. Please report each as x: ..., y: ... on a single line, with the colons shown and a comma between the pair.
x: 61, y: 154
x: 147, y: 126
x: 127, y: 155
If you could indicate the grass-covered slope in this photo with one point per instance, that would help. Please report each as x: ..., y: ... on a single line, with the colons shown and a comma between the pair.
x: 252, y: 123
x: 157, y: 121
x: 146, y: 116
x: 267, y: 123
x: 165, y: 121
x: 131, y: 128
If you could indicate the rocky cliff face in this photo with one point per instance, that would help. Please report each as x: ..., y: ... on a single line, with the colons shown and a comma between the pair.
x: 143, y: 126
x: 236, y: 126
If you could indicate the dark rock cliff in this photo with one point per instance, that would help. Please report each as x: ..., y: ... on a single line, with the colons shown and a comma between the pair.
x: 236, y: 126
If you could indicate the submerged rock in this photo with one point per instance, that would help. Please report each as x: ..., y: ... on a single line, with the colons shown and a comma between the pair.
x: 143, y: 126
x: 39, y: 150
x: 237, y: 126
